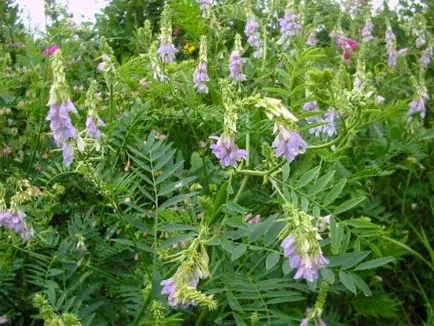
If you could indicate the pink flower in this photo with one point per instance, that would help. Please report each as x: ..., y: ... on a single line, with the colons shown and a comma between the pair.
x: 49, y: 52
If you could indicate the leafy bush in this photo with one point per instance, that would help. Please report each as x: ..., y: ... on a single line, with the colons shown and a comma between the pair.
x: 202, y: 163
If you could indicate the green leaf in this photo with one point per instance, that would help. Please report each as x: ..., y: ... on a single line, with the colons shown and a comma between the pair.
x: 177, y: 227
x: 328, y: 275
x: 374, y: 263
x: 336, y: 235
x: 321, y: 183
x: 335, y: 192
x: 171, y: 241
x: 233, y: 301
x: 361, y: 284
x: 347, y: 281
x: 238, y: 251
x: 235, y: 208
x: 174, y: 186
x: 348, y: 205
x: 285, y: 172
x: 271, y: 261
x: 176, y: 199
x: 308, y: 177
x: 259, y: 229
x: 354, y: 258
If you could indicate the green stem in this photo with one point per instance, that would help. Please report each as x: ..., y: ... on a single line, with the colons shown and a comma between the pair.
x: 142, y: 310
x: 246, y: 177
x: 111, y: 103
x: 40, y: 122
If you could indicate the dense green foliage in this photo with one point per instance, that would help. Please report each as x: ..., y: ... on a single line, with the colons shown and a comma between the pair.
x: 149, y: 200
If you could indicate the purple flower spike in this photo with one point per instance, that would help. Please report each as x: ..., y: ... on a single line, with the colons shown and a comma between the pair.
x: 92, y: 126
x: 253, y: 37
x: 200, y: 77
x: 417, y: 106
x: 367, y: 31
x: 288, y: 27
x: 288, y: 143
x: 306, y: 264
x: 236, y: 63
x: 330, y: 128
x: 426, y: 57
x: 167, y: 52
x: 62, y: 128
x: 227, y: 152
x: 16, y: 222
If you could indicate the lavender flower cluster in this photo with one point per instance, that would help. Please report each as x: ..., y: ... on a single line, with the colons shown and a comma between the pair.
x: 417, y: 105
x: 289, y: 27
x: 392, y: 53
x: 288, y: 143
x: 92, y: 126
x: 166, y: 51
x: 367, y: 31
x: 227, y: 152
x: 426, y: 57
x: 236, y: 63
x: 62, y: 128
x: 304, y: 260
x: 15, y: 221
x: 171, y: 288
x: 200, y: 77
x: 329, y: 119
x: 253, y: 37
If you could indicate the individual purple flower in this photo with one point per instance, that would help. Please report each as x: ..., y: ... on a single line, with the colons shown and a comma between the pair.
x: 288, y: 27
x: 15, y: 221
x: 200, y: 77
x: 49, y: 52
x: 311, y: 106
x: 253, y: 37
x: 167, y: 52
x: 288, y: 143
x: 170, y: 288
x: 236, y: 63
x: 311, y: 39
x: 62, y: 128
x: 227, y: 152
x: 92, y: 126
x: 426, y: 57
x: 3, y: 319
x: 417, y: 105
x: 330, y: 127
x: 367, y: 31
x: 304, y: 322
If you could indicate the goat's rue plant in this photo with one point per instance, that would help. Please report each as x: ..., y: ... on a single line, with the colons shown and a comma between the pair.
x: 248, y: 164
